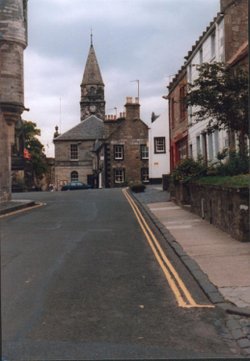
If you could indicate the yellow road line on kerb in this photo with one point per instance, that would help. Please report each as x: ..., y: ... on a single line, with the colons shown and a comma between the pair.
x: 181, y: 293
x: 37, y: 205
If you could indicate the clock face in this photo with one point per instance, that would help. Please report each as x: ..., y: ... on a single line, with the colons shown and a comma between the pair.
x: 92, y: 108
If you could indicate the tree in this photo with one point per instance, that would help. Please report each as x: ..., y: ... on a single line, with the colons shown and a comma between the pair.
x: 34, y: 150
x: 221, y: 96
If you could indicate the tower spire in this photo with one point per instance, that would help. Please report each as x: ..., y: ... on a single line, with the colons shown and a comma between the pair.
x: 91, y: 37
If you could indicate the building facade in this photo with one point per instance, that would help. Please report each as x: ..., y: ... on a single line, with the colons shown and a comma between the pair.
x: 178, y: 118
x: 158, y: 144
x: 224, y: 40
x: 126, y: 148
x: 209, y: 48
x: 102, y: 151
x: 13, y: 41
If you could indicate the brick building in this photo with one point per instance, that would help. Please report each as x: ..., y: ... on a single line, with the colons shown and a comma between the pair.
x: 13, y: 41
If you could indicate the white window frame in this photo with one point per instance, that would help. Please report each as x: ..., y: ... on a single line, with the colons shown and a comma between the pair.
x: 118, y: 152
x: 73, y: 151
x: 144, y: 151
x: 119, y: 175
x: 159, y: 145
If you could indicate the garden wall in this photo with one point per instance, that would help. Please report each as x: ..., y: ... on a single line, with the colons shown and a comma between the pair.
x: 227, y: 208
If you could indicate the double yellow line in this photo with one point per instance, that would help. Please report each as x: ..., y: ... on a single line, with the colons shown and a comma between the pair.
x: 181, y: 293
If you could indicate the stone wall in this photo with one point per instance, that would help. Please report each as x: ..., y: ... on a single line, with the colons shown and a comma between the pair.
x: 130, y: 132
x: 236, y: 25
x: 225, y: 207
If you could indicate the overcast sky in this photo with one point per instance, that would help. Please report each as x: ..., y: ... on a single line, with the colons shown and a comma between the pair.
x: 133, y: 39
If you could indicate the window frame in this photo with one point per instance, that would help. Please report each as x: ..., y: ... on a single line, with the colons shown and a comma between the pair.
x: 144, y: 151
x: 75, y: 173
x: 116, y: 157
x: 156, y: 147
x: 143, y: 169
x: 122, y: 175
x: 74, y: 152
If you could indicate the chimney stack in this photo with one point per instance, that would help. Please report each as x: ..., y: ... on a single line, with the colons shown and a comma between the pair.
x: 132, y: 108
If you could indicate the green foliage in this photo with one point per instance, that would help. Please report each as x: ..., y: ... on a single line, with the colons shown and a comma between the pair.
x: 236, y: 163
x: 221, y: 96
x: 188, y: 169
x: 35, y: 148
x: 239, y: 181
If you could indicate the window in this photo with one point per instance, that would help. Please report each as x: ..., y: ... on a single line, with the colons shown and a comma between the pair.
x: 198, y: 145
x: 159, y: 144
x: 144, y: 151
x: 144, y: 175
x: 210, y: 147
x: 119, y: 175
x: 118, y: 152
x: 190, y: 73
x: 74, y: 176
x: 172, y: 112
x: 213, y: 45
x: 181, y: 149
x: 73, y: 151
x: 182, y: 102
x: 201, y: 55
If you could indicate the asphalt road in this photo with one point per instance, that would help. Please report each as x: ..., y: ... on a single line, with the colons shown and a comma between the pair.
x: 79, y: 281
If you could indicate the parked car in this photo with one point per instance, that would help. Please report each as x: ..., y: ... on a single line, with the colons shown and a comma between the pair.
x: 74, y: 186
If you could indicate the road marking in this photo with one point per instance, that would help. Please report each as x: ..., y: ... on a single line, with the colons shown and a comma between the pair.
x: 37, y: 205
x: 181, y: 293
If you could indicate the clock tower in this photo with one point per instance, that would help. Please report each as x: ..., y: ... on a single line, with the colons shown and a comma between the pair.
x: 92, y: 88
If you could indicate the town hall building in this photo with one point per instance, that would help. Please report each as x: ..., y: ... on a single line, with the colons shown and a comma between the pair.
x: 102, y: 150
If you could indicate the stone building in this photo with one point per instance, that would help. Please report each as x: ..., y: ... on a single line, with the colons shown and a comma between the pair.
x: 178, y: 118
x: 92, y: 88
x: 126, y: 148
x: 13, y: 41
x: 101, y: 150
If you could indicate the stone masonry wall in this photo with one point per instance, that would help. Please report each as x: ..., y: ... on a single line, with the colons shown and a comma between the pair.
x: 4, y: 172
x: 227, y: 208
x: 236, y: 25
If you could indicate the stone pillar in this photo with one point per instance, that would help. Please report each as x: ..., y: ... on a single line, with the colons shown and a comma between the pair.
x: 13, y: 41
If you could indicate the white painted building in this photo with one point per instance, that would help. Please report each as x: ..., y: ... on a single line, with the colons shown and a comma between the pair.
x: 158, y: 144
x: 209, y: 48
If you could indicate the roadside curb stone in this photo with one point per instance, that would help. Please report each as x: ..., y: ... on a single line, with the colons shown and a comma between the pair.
x: 12, y: 206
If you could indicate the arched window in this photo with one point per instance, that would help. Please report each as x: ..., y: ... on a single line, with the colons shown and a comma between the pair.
x: 74, y: 176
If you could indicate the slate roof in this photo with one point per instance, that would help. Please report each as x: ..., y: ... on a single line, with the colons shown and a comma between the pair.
x: 90, y: 129
x: 92, y: 73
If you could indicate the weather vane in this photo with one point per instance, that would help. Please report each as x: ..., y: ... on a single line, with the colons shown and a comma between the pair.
x: 91, y: 37
x: 138, y: 86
